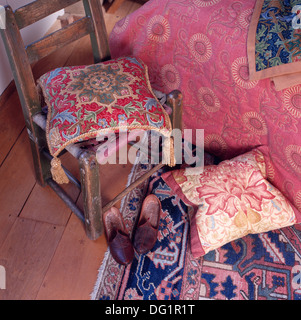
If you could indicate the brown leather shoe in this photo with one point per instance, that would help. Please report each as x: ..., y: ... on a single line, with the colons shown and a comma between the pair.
x: 117, y: 236
x: 148, y: 224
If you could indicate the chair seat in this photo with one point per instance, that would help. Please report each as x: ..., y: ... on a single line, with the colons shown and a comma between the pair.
x: 86, y: 101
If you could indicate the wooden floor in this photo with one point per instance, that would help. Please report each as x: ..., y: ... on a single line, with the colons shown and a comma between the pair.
x: 43, y: 246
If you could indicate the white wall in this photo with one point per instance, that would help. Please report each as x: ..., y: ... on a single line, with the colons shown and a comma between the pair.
x: 29, y: 34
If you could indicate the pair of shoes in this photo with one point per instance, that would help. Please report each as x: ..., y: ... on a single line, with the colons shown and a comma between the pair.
x: 117, y: 237
x: 120, y: 244
x: 148, y: 225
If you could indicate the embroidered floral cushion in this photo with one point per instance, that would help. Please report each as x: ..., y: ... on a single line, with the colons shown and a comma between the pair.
x: 84, y: 101
x: 231, y: 200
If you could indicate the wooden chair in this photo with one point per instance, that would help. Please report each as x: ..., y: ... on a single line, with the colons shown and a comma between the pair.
x: 21, y: 59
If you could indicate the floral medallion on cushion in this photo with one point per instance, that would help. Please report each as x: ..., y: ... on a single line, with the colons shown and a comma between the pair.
x: 231, y: 199
x: 85, y: 101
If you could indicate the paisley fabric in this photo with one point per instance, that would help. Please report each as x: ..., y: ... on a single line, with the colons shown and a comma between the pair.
x: 231, y: 199
x: 200, y: 47
x: 85, y: 101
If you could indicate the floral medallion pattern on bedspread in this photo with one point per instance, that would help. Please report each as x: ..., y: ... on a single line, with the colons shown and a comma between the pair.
x: 200, y: 48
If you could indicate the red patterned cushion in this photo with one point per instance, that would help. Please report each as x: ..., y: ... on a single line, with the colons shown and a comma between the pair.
x: 84, y: 101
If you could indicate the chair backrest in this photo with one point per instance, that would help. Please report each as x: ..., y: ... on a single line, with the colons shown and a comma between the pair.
x: 22, y: 57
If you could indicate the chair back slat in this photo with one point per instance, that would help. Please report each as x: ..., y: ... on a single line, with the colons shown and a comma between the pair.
x: 37, y: 10
x: 21, y: 58
x: 21, y: 68
x: 58, y: 39
x: 99, y: 38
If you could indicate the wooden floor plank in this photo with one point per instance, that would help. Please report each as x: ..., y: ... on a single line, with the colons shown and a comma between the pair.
x: 16, y: 183
x: 73, y: 270
x: 114, y: 6
x: 81, y: 54
x: 11, y: 124
x: 125, y: 9
x: 26, y: 255
x: 44, y: 204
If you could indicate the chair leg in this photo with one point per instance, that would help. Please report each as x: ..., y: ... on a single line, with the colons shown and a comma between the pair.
x: 175, y: 101
x: 91, y: 189
x: 41, y: 163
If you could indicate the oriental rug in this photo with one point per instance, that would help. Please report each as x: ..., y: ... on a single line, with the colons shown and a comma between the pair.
x: 257, y: 267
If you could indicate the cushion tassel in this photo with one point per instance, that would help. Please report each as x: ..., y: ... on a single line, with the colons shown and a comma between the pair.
x: 57, y: 171
x: 168, y: 151
x: 172, y: 161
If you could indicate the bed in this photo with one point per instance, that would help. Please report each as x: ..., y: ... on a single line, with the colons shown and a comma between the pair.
x: 200, y: 47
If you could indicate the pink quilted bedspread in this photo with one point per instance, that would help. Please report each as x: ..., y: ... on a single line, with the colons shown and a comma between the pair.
x: 200, y: 47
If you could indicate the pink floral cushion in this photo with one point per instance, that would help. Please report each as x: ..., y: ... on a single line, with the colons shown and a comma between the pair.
x: 84, y: 101
x: 231, y: 200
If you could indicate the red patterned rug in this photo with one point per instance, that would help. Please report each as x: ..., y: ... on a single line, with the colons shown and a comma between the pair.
x: 257, y: 267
